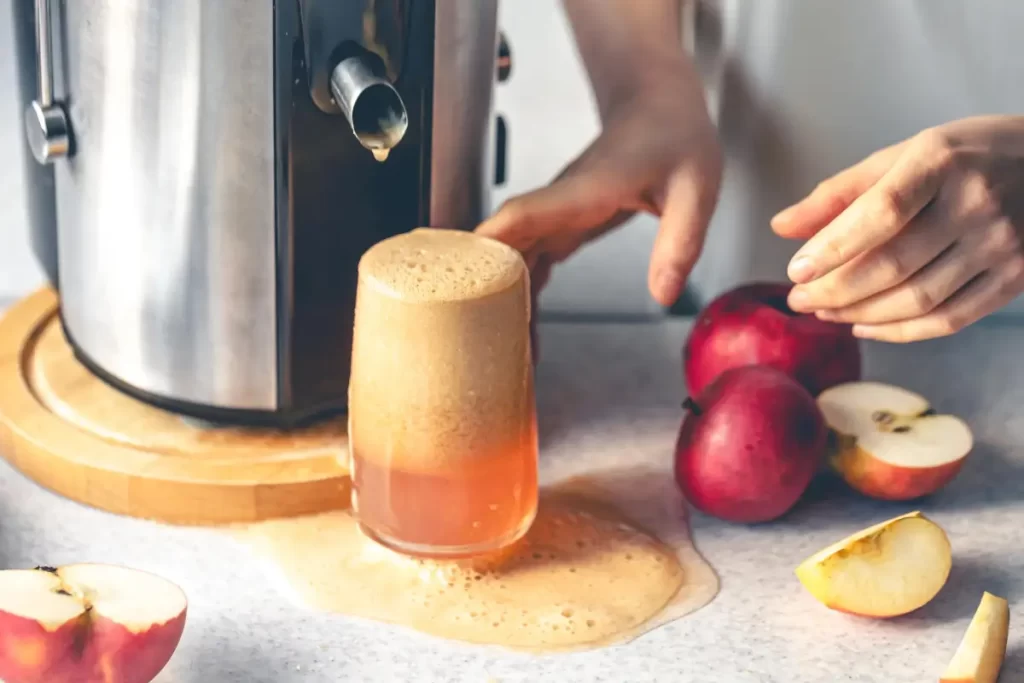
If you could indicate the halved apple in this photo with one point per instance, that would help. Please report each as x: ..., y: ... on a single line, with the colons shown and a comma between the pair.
x: 884, y: 571
x: 889, y: 443
x: 980, y: 654
x: 87, y: 623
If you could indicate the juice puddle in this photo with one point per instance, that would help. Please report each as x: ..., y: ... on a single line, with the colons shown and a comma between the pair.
x: 608, y: 558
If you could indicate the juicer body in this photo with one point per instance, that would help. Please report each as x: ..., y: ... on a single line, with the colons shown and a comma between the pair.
x: 205, y: 219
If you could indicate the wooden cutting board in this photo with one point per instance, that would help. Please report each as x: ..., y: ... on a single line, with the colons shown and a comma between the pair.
x: 71, y: 432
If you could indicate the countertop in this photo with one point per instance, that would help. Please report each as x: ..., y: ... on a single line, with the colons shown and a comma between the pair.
x: 607, y: 389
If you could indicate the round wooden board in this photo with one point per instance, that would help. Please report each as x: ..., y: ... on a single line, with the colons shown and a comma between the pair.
x: 76, y: 435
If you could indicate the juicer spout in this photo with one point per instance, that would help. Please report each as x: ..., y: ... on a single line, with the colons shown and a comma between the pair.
x: 371, y: 104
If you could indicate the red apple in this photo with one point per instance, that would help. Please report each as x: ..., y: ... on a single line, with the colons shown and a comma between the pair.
x: 87, y: 623
x: 753, y: 325
x: 749, y: 445
x: 890, y: 444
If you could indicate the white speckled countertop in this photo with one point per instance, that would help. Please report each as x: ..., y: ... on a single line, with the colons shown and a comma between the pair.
x: 605, y: 388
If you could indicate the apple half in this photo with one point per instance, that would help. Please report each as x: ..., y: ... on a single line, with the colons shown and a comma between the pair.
x: 886, y: 570
x: 87, y: 623
x: 983, y: 648
x: 889, y: 443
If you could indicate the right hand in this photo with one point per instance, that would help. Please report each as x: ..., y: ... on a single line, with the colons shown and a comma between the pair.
x: 658, y: 152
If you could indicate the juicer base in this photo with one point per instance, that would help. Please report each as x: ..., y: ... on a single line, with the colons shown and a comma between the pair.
x: 80, y: 437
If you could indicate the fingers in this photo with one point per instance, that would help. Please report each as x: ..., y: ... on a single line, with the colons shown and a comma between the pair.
x: 927, y: 236
x: 540, y: 272
x: 833, y: 196
x: 689, y: 202
x: 877, y: 215
x: 571, y: 204
x: 918, y: 296
x: 977, y: 250
x: 985, y: 294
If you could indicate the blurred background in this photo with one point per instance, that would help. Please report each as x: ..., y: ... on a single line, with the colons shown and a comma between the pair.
x: 790, y: 122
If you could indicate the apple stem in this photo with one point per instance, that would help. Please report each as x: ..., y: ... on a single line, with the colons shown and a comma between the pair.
x: 691, y: 405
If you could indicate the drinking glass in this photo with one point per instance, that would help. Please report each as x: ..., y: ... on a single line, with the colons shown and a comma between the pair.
x: 442, y: 415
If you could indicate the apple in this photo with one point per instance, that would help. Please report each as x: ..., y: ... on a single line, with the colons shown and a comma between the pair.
x: 884, y: 571
x: 87, y: 623
x: 749, y: 445
x: 889, y: 443
x: 753, y: 325
x: 980, y: 654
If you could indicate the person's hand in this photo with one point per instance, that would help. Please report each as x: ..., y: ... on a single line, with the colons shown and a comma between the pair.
x: 658, y: 152
x: 920, y: 239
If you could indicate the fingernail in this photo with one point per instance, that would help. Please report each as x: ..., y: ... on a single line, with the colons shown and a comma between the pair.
x: 862, y: 331
x: 799, y: 300
x: 669, y: 286
x: 801, y: 269
x: 826, y: 315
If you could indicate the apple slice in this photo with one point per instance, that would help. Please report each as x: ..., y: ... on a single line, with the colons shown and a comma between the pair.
x: 87, y: 623
x: 884, y: 571
x: 889, y: 443
x: 980, y: 654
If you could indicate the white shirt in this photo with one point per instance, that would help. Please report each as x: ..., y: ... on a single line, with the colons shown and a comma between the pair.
x: 800, y: 89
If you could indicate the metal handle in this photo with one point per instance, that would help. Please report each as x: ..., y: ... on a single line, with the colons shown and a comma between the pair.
x: 504, y: 70
x: 46, y: 123
x: 500, y: 150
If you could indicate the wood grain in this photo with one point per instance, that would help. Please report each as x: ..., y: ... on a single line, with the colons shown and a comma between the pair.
x: 76, y: 435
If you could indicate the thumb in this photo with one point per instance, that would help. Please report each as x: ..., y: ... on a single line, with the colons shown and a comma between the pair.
x: 832, y: 196
x: 573, y: 203
x: 689, y: 202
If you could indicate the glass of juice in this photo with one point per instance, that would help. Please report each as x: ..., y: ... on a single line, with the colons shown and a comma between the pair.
x: 442, y: 416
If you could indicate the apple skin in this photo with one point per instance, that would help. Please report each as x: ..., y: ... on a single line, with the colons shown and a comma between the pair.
x: 753, y: 325
x: 137, y: 657
x: 750, y: 445
x: 110, y: 654
x: 30, y: 653
x: 884, y: 481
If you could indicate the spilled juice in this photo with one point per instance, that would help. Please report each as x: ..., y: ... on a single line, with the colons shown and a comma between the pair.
x: 608, y: 558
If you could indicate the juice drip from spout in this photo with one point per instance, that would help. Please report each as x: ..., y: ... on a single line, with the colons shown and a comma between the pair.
x: 380, y: 153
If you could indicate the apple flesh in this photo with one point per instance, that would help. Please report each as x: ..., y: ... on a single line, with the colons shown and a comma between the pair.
x: 753, y: 325
x: 983, y: 648
x: 886, y: 570
x: 889, y: 444
x: 749, y: 445
x: 87, y: 623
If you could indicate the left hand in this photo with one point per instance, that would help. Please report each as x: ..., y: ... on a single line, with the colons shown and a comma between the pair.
x: 920, y: 239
